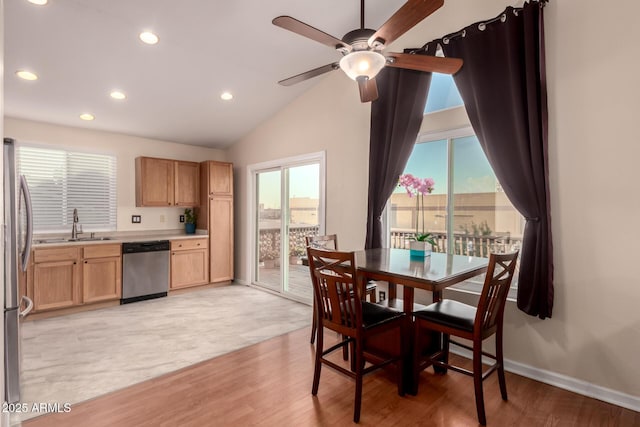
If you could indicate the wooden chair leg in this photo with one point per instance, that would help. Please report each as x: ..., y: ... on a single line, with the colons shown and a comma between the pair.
x: 359, y: 368
x: 500, y: 361
x: 318, y: 362
x: 477, y: 382
x: 417, y: 357
x: 314, y: 324
x: 372, y: 296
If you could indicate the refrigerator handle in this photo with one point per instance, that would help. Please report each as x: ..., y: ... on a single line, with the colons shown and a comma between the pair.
x: 29, y: 307
x: 27, y: 202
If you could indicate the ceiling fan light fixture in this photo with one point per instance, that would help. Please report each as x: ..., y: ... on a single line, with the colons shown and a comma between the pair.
x: 362, y: 63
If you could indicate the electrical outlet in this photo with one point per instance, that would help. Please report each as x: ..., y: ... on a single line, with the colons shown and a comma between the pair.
x: 136, y: 219
x: 383, y: 295
x: 181, y: 218
x: 162, y: 218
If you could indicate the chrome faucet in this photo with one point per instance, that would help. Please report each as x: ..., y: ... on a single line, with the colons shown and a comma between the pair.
x: 74, y: 227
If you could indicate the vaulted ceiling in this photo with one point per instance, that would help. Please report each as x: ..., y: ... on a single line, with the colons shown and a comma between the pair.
x: 82, y: 50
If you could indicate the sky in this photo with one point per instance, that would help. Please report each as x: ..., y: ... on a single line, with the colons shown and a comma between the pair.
x: 304, y: 181
x: 472, y: 173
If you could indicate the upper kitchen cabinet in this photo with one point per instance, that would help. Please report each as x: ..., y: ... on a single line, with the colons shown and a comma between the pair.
x: 165, y: 182
x: 220, y: 178
x: 187, y: 183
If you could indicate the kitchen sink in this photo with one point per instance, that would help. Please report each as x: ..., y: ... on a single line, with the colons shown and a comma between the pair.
x: 65, y: 239
x: 89, y: 239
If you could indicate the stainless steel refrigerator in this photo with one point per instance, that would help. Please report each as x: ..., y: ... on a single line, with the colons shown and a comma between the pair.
x: 17, y: 246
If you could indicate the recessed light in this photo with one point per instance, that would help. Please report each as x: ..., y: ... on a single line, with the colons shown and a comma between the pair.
x: 38, y: 2
x: 148, y: 37
x: 116, y: 94
x: 227, y: 96
x: 26, y: 75
x: 87, y: 116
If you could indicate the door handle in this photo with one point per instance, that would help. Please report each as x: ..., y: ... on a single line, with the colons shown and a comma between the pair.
x: 29, y: 306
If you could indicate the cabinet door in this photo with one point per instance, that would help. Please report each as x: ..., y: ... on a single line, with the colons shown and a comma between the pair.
x: 221, y: 239
x: 55, y: 285
x: 220, y: 179
x: 189, y: 268
x: 154, y: 182
x: 187, y: 184
x: 101, y: 279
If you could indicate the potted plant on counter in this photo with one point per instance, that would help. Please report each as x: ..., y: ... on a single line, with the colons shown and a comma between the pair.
x: 190, y: 219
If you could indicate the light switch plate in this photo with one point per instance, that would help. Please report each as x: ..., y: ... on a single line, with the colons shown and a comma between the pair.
x: 181, y: 218
x: 136, y: 219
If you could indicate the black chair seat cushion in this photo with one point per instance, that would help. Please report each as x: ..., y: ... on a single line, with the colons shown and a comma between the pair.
x: 449, y: 313
x: 374, y: 314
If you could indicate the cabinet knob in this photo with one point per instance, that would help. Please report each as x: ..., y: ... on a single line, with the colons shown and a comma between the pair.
x: 180, y: 245
x: 74, y: 263
x: 84, y: 262
x: 198, y: 244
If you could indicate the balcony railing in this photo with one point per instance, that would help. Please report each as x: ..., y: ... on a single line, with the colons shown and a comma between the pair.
x: 463, y: 244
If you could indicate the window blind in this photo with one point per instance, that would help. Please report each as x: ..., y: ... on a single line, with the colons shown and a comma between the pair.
x: 61, y: 180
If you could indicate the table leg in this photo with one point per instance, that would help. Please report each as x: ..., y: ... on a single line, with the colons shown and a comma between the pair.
x: 409, y: 381
x: 392, y: 290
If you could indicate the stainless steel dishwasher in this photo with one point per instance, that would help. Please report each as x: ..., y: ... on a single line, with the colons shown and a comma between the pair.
x: 145, y: 270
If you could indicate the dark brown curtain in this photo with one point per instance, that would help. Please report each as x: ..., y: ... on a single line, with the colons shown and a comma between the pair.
x: 503, y: 85
x: 395, y: 121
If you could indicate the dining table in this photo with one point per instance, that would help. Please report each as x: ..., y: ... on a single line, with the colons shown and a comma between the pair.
x: 432, y: 273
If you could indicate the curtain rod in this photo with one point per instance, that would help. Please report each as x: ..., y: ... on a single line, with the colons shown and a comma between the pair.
x: 482, y: 25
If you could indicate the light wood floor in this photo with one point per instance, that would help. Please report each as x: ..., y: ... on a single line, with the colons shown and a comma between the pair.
x: 269, y: 384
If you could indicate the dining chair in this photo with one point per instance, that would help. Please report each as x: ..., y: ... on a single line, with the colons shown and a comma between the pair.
x: 376, y: 334
x: 451, y: 317
x: 330, y: 241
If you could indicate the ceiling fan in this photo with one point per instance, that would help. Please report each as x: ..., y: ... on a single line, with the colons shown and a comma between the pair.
x: 361, y: 48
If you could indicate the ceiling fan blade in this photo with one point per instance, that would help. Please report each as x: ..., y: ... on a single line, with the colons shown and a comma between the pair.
x: 299, y: 27
x: 309, y: 74
x: 368, y: 89
x: 409, y: 14
x: 427, y: 63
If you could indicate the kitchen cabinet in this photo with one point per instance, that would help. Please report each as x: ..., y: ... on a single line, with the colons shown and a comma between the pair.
x: 69, y: 276
x: 189, y: 263
x: 186, y: 183
x: 101, y: 273
x: 166, y: 182
x: 55, y: 278
x: 220, y: 178
x: 215, y: 215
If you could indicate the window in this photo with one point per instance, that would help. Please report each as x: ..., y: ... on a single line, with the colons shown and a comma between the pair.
x: 468, y: 212
x: 61, y: 180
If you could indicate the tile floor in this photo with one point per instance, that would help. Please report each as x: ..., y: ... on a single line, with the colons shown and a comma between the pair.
x: 80, y: 356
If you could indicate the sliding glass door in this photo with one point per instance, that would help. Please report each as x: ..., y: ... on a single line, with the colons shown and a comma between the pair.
x: 288, y: 205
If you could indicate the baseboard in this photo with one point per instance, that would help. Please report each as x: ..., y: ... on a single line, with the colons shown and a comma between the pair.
x: 565, y: 382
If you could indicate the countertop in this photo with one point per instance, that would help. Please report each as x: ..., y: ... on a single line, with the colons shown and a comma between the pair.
x: 118, y: 237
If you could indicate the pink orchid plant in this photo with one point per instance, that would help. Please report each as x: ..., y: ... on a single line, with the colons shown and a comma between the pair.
x: 418, y: 187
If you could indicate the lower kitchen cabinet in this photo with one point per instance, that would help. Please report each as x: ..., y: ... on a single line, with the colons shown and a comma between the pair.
x: 64, y: 277
x: 101, y: 273
x: 56, y: 278
x: 189, y: 263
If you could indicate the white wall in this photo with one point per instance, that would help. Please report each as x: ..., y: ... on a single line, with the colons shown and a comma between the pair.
x: 593, y: 64
x: 126, y: 148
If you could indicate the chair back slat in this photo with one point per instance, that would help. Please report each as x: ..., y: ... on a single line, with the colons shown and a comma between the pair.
x: 334, y: 277
x: 495, y: 290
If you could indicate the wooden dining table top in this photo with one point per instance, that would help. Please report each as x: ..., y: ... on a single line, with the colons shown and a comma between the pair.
x: 433, y: 273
